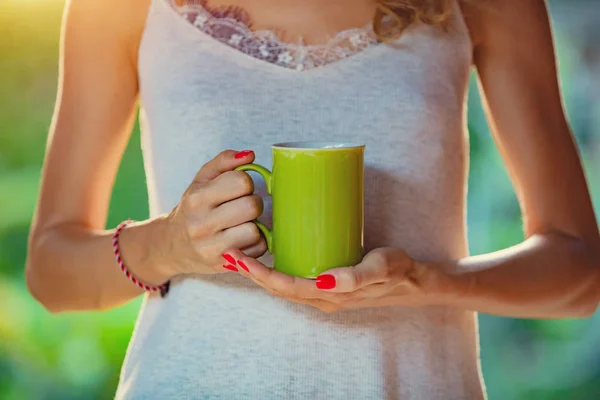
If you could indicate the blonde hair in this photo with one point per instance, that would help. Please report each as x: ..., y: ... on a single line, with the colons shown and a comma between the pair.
x: 400, y: 14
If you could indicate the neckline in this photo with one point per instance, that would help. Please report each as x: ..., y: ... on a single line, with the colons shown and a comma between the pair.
x: 231, y: 22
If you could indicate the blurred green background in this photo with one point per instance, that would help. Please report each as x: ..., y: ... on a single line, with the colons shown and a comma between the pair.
x: 78, y: 356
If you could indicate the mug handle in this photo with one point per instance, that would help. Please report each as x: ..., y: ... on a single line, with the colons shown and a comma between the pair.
x: 266, y: 174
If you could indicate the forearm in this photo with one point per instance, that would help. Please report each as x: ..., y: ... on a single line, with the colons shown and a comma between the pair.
x: 546, y: 276
x: 71, y: 267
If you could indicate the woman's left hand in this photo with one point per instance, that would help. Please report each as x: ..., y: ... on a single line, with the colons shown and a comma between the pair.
x: 385, y: 277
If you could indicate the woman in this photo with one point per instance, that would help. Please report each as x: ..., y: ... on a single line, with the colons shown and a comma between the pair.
x: 392, y: 75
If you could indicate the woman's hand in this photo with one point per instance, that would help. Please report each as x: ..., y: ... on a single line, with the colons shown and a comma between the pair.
x: 385, y: 277
x: 214, y: 214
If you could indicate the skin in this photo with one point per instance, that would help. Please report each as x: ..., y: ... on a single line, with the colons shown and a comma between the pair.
x: 69, y: 248
x: 554, y: 273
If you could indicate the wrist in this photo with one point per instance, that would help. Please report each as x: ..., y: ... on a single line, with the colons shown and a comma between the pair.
x: 439, y: 282
x: 144, y: 249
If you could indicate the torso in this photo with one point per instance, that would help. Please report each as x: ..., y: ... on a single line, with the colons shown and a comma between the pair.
x: 223, y: 337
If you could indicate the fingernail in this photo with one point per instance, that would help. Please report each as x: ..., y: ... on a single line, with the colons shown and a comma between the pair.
x: 243, y: 266
x: 242, y: 154
x: 229, y: 258
x: 230, y: 267
x: 326, y: 282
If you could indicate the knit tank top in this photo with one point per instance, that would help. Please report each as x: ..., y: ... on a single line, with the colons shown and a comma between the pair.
x: 221, y: 336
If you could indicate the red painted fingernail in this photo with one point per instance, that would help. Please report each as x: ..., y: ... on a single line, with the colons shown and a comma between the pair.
x: 242, y: 154
x: 326, y: 282
x: 230, y: 267
x: 243, y: 266
x: 229, y: 258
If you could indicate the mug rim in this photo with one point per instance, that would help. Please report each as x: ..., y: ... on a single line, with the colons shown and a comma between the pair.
x: 317, y: 145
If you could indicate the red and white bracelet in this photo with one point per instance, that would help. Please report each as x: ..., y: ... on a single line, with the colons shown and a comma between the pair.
x: 163, y: 289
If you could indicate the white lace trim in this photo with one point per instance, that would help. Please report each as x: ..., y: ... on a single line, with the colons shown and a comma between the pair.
x: 232, y: 27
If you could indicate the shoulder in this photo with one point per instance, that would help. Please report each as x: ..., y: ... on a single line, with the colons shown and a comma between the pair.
x: 107, y: 23
x: 493, y: 21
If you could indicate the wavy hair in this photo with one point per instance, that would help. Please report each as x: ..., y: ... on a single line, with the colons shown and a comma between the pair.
x: 394, y: 16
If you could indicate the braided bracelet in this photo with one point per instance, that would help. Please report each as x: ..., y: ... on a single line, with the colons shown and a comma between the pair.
x: 163, y: 289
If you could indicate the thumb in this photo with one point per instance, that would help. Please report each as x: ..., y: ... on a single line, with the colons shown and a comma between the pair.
x: 225, y: 161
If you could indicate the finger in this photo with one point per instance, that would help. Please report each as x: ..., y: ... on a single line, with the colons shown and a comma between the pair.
x: 288, y: 286
x: 323, y: 305
x: 228, y: 186
x: 256, y: 250
x: 229, y: 268
x: 238, y: 237
x: 350, y: 279
x: 234, y: 213
x: 224, y: 161
x: 255, y: 269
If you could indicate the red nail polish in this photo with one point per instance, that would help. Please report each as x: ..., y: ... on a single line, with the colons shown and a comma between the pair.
x: 243, y: 266
x: 230, y: 267
x: 326, y: 282
x: 242, y: 154
x: 229, y: 258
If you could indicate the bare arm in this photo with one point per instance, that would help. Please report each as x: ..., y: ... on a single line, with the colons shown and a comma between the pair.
x: 556, y: 271
x: 68, y: 264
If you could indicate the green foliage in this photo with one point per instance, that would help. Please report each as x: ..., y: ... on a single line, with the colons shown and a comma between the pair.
x: 77, y: 356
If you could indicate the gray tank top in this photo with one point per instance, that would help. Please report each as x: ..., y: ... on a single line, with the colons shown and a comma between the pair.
x: 222, y: 337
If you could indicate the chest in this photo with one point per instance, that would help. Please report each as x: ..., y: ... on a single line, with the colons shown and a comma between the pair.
x: 310, y: 22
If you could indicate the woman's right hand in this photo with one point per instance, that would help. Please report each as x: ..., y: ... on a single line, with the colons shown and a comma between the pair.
x: 215, y: 213
x: 70, y: 262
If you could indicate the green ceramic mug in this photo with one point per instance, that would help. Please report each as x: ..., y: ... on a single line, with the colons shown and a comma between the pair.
x: 318, y: 206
